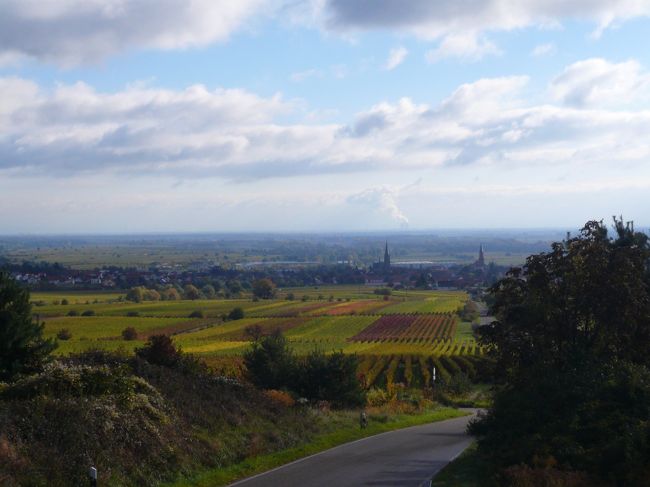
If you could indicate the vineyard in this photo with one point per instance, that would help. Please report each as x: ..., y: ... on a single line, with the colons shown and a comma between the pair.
x: 409, y: 328
x: 386, y: 371
x: 398, y: 338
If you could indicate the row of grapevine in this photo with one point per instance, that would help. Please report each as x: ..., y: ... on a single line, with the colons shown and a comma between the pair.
x: 410, y: 329
x: 385, y: 371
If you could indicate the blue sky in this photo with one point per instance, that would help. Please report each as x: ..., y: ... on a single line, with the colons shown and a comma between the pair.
x: 271, y: 115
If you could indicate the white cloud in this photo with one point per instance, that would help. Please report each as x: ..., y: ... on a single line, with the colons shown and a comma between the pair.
x: 236, y: 135
x: 301, y: 76
x: 396, y: 57
x: 69, y: 32
x: 466, y: 46
x: 382, y: 199
x: 461, y: 26
x: 598, y: 82
x: 431, y: 19
x: 543, y: 50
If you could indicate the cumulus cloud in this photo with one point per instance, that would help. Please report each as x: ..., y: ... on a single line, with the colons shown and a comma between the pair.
x: 69, y: 32
x: 237, y: 135
x: 395, y: 58
x: 460, y: 26
x: 597, y: 82
x: 382, y: 199
x: 435, y: 19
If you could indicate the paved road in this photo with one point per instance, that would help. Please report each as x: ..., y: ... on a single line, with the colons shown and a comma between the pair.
x: 401, y: 458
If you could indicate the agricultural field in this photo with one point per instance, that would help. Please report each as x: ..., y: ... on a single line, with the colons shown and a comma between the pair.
x: 397, y: 338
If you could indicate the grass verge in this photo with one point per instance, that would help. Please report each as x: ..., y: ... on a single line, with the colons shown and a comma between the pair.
x: 466, y: 471
x: 347, y: 430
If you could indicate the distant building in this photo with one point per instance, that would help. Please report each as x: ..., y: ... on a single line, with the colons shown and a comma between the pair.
x: 480, y: 262
x: 383, y: 267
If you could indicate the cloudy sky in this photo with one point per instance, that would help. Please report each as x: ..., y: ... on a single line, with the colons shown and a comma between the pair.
x: 121, y: 116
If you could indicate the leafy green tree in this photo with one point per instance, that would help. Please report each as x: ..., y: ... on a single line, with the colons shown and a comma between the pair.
x: 270, y: 363
x: 22, y: 346
x: 236, y: 313
x: 191, y: 292
x: 264, y: 288
x: 571, y: 345
x: 135, y: 294
x: 160, y: 350
x: 331, y: 378
x: 209, y: 291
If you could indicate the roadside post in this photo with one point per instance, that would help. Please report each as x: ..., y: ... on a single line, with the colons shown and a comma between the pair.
x: 92, y: 475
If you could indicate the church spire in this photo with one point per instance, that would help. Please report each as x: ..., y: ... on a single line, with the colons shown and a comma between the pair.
x: 386, y: 258
x: 481, y: 257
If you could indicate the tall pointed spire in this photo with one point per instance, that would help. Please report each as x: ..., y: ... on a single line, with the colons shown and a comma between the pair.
x: 386, y: 258
x: 481, y: 257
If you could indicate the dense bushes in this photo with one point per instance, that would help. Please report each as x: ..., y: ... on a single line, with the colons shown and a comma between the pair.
x: 135, y: 421
x: 271, y: 364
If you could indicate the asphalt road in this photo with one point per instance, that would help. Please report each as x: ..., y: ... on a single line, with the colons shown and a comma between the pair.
x: 403, y: 458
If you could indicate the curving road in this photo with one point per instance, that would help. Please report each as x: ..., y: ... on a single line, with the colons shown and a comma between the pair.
x: 406, y: 457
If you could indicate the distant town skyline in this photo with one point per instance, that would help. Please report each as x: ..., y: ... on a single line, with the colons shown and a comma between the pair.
x: 136, y: 116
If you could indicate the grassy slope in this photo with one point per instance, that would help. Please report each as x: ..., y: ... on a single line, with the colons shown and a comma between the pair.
x: 338, y: 429
x: 465, y: 471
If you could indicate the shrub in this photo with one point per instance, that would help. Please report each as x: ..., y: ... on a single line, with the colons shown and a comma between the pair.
x: 64, y: 302
x: 64, y: 334
x: 377, y: 397
x: 384, y: 291
x: 160, y: 350
x: 280, y: 397
x: 290, y: 297
x: 196, y: 314
x: 88, y: 312
x: 73, y: 312
x: 129, y: 333
x: 236, y: 314
x: 132, y: 314
x: 305, y: 298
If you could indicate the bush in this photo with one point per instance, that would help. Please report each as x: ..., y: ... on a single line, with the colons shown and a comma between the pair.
x: 236, y: 314
x: 290, y: 297
x: 384, y: 291
x: 64, y: 334
x: 129, y: 333
x: 160, y: 350
x: 377, y: 397
x: 88, y: 312
x: 73, y: 312
x: 264, y: 288
x: 64, y: 302
x: 280, y: 397
x: 196, y: 314
x: 132, y: 314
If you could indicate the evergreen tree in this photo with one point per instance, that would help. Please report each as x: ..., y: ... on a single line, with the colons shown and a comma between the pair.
x: 22, y: 347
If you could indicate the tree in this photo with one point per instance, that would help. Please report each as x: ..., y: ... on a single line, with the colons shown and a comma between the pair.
x: 236, y: 313
x: 160, y: 350
x: 571, y: 345
x: 264, y: 288
x: 209, y: 291
x: 22, y: 346
x: 191, y: 292
x: 135, y: 294
x: 270, y: 364
x: 332, y: 378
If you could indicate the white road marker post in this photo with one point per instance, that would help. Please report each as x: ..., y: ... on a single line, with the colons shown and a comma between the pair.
x: 92, y: 474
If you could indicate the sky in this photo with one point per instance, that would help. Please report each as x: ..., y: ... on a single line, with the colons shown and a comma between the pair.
x: 136, y: 116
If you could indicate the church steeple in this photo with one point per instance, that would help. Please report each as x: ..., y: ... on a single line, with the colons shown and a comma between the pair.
x: 481, y: 258
x: 386, y: 258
